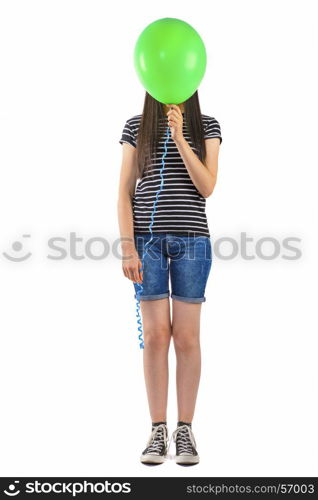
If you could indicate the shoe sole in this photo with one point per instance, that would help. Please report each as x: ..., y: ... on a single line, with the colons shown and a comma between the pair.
x: 152, y: 459
x: 187, y: 460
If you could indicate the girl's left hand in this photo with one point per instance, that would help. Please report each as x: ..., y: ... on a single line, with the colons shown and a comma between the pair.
x: 175, y: 122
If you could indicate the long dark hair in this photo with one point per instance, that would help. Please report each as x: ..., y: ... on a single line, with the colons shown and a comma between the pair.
x: 152, y: 129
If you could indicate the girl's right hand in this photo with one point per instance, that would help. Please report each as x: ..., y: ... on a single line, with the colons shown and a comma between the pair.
x: 132, y: 266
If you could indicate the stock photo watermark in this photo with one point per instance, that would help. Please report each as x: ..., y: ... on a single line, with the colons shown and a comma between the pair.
x: 99, y: 248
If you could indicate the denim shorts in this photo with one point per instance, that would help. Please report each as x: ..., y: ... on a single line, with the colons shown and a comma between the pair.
x: 186, y: 260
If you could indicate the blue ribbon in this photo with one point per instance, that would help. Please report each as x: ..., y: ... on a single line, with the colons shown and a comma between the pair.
x: 152, y: 217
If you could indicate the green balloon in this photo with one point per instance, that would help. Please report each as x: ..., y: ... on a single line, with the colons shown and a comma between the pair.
x: 170, y: 60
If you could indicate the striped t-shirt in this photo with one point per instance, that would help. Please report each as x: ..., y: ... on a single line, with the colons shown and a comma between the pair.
x: 180, y: 206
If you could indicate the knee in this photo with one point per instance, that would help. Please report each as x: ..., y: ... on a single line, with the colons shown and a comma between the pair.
x: 157, y: 338
x: 185, y: 341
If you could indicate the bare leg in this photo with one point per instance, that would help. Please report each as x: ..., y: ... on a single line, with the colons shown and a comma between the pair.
x: 157, y: 336
x: 186, y: 337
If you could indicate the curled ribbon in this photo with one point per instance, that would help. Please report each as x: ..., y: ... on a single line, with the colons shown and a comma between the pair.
x: 152, y: 217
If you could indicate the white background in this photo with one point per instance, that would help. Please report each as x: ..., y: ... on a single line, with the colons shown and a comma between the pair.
x: 72, y: 390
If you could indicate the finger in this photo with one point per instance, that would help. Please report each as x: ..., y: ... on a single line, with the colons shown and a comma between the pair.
x: 136, y: 276
x: 174, y: 117
x: 172, y: 123
x: 140, y: 271
x: 174, y: 113
x: 130, y: 274
x: 133, y: 274
x: 175, y: 120
x: 176, y: 108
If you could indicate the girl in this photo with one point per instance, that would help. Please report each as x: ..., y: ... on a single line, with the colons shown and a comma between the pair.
x: 180, y: 250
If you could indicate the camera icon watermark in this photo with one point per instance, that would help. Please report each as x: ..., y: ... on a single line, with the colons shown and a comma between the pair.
x: 12, y: 489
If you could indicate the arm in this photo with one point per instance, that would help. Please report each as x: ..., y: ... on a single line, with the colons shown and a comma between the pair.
x: 203, y: 175
x: 128, y: 176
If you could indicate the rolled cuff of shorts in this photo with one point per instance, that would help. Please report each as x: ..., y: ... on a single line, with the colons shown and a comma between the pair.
x: 153, y: 297
x: 194, y: 300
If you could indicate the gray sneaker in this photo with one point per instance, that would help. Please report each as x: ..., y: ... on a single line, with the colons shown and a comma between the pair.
x: 186, y: 453
x: 157, y: 446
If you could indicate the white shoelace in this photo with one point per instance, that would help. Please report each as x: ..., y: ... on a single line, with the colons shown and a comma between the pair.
x: 186, y: 441
x: 158, y: 439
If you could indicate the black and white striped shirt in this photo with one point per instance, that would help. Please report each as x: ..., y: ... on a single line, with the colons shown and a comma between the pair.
x: 180, y: 207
